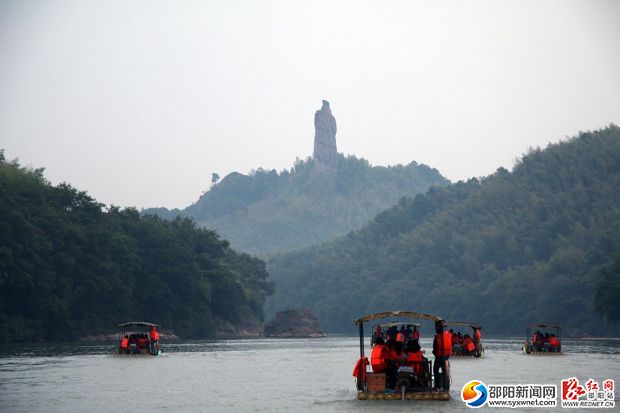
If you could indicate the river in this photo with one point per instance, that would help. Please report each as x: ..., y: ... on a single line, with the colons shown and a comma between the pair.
x: 263, y: 375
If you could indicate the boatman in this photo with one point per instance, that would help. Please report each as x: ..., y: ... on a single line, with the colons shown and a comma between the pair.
x: 442, y: 348
x: 154, y: 335
x: 124, y: 344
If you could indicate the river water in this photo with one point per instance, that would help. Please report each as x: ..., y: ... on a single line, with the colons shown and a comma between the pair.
x: 263, y: 375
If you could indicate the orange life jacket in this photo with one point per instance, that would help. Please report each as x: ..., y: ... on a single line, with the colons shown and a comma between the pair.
x: 554, y: 341
x: 154, y: 335
x: 469, y: 345
x: 359, y: 366
x: 444, y: 344
x: 400, y: 337
x: 477, y: 335
x: 377, y: 358
x: 124, y: 342
x: 414, y: 359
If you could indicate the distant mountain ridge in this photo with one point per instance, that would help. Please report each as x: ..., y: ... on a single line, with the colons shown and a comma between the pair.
x: 509, y: 249
x: 320, y: 198
x: 267, y: 212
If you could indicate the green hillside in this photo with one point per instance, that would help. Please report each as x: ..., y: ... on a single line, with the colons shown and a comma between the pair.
x: 69, y: 267
x: 511, y: 248
x: 267, y: 211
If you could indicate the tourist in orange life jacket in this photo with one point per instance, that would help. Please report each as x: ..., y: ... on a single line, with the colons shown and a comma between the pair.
x: 124, y: 344
x: 442, y: 348
x: 477, y: 336
x: 415, y: 356
x: 468, y: 345
x: 360, y: 365
x: 415, y: 335
x: 378, y: 356
x: 400, y: 337
x: 154, y: 336
x: 394, y: 359
x: 142, y: 342
x: 554, y: 343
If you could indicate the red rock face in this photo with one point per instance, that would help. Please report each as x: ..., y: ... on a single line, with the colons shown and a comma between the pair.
x: 325, y: 150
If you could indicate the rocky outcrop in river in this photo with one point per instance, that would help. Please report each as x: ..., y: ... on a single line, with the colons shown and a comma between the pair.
x: 294, y: 323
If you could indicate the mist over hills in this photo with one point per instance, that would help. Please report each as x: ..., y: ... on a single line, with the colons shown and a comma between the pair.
x: 511, y: 248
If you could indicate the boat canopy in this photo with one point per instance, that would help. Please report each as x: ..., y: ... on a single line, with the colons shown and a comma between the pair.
x: 462, y: 323
x: 544, y: 325
x: 136, y: 324
x: 406, y: 314
x: 399, y: 324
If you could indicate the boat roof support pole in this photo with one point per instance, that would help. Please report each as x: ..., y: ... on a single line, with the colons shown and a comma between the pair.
x: 361, y: 340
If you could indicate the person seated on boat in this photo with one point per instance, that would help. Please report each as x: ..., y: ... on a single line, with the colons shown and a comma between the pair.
x: 133, y: 343
x: 554, y: 343
x: 537, y: 340
x: 456, y: 345
x: 468, y: 345
x: 400, y: 336
x: 546, y: 343
x: 124, y: 345
x: 394, y: 358
x: 415, y: 334
x: 392, y: 332
x: 376, y: 334
x: 408, y: 332
x: 415, y: 356
x: 142, y: 344
x: 154, y: 336
x: 378, y: 356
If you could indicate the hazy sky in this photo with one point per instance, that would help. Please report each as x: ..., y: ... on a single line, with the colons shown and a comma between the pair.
x: 138, y: 102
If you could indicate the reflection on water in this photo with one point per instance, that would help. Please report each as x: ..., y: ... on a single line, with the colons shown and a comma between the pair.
x: 257, y: 375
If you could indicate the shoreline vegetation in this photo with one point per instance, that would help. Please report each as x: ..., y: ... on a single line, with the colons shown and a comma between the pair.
x: 72, y: 267
x: 538, y: 243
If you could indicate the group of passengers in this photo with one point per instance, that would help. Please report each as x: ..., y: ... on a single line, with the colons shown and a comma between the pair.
x: 388, y: 357
x: 137, y: 343
x: 464, y: 344
x: 546, y: 342
x: 402, y: 335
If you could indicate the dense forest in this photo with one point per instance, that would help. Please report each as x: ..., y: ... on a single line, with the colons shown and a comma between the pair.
x: 71, y: 267
x: 267, y: 211
x: 531, y: 244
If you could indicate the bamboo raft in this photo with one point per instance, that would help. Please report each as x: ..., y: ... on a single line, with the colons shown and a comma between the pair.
x: 427, y: 395
x: 466, y: 355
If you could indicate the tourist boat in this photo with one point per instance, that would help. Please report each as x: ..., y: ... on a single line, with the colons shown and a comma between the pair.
x: 409, y: 386
x: 551, y: 343
x: 457, y: 351
x: 139, y: 342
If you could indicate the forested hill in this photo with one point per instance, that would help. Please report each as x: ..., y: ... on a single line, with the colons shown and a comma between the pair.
x: 69, y: 267
x: 512, y: 248
x: 266, y: 211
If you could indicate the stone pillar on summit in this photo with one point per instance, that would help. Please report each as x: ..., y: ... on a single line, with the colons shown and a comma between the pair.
x: 325, y: 151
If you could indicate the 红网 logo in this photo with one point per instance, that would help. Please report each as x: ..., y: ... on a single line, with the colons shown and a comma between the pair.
x: 474, y: 394
x: 590, y: 395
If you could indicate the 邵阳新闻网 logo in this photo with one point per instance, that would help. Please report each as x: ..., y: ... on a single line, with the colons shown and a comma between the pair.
x: 474, y: 394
